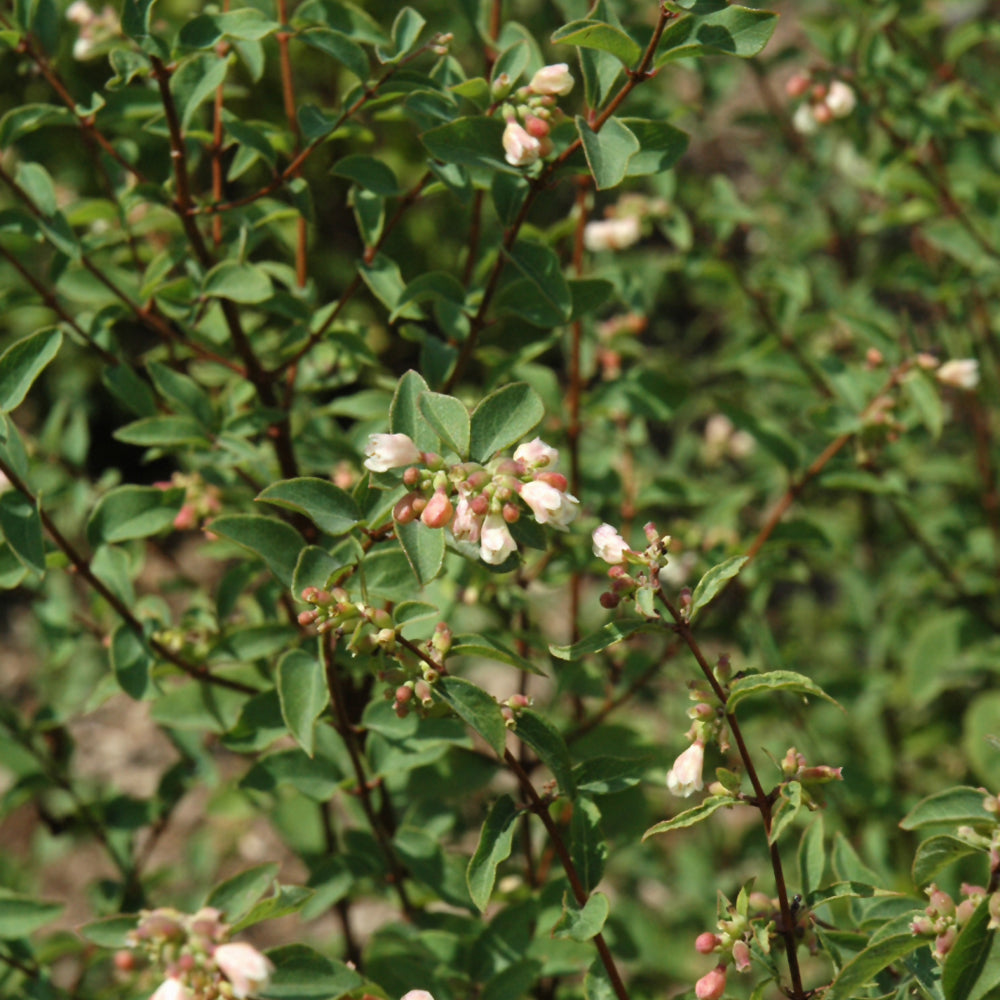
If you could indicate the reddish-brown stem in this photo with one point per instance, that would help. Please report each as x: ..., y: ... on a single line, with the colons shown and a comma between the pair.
x: 288, y: 97
x: 221, y: 49
x: 761, y: 799
x: 541, y: 810
x: 347, y: 732
x: 82, y: 568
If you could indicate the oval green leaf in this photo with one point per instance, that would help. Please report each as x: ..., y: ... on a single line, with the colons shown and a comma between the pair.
x: 503, y: 417
x: 330, y: 508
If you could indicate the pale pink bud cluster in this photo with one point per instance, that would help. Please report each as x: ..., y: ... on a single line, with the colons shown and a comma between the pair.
x: 201, y: 500
x: 530, y: 113
x: 794, y: 767
x: 610, y: 546
x: 196, y: 956
x: 479, y: 502
x: 825, y: 101
x: 614, y: 233
x: 723, y: 440
x: 731, y: 943
x: 96, y: 29
x: 943, y: 918
x: 411, y: 687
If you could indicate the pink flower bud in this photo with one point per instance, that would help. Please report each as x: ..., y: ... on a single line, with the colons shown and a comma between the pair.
x: 922, y: 925
x: 943, y: 942
x: 609, y: 600
x: 390, y: 451
x: 712, y: 985
x: 520, y: 148
x: 307, y: 618
x: 538, y: 127
x: 685, y: 776
x: 403, y: 693
x: 706, y: 943
x: 555, y: 479
x: 535, y: 454
x: 797, y: 84
x: 820, y: 774
x: 403, y: 512
x: 439, y: 510
x: 554, y: 79
x: 609, y: 545
x: 612, y: 234
x: 244, y: 966
x: 741, y: 956
x: 510, y: 513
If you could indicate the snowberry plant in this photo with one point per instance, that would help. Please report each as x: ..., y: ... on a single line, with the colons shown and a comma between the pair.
x: 499, y: 500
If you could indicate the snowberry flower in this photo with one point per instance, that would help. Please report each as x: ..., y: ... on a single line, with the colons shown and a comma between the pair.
x: 712, y: 985
x: 417, y: 995
x: 80, y: 12
x: 840, y: 99
x: 536, y: 454
x: 685, y: 776
x: 609, y: 545
x: 549, y: 505
x: 804, y: 121
x: 555, y: 79
x: 960, y: 373
x: 172, y: 989
x: 244, y: 966
x: 390, y: 451
x: 495, y: 541
x: 439, y: 510
x: 612, y: 234
x: 521, y: 149
x: 466, y: 525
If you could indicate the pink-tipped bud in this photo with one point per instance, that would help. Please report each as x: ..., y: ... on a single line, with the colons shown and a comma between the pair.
x: 403, y: 512
x: 307, y: 618
x: 403, y: 694
x: 741, y: 956
x: 510, y: 513
x: 712, y: 985
x: 480, y: 505
x: 411, y: 477
x: 537, y: 127
x: 423, y: 691
x: 821, y: 774
x: 922, y: 925
x: 706, y: 943
x: 555, y: 479
x: 822, y: 113
x: 797, y: 84
x: 519, y: 701
x: 439, y: 510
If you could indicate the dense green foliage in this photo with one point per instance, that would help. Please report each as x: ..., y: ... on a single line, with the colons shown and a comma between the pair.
x: 304, y: 618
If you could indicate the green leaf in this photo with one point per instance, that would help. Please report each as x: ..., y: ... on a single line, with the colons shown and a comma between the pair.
x: 131, y: 660
x: 608, y: 635
x: 162, y: 432
x: 22, y: 915
x: 404, y: 412
x: 301, y: 973
x: 926, y: 396
x: 237, y: 282
x: 543, y: 737
x: 405, y: 31
x: 303, y: 692
x: 206, y: 30
x: 587, y: 846
x: 23, y: 362
x: 789, y: 804
x: 277, y: 543
x: 690, y: 816
x: 584, y: 923
x: 972, y: 968
x: 21, y: 527
x: 597, y: 984
x: 956, y: 806
x: 847, y: 890
x: 315, y: 777
x: 774, y: 680
x: 733, y: 30
x: 28, y: 118
x: 714, y: 581
x: 367, y: 172
x: 812, y: 856
x: 287, y: 899
x: 431, y: 286
x: 109, y: 932
x: 608, y: 152
x: 348, y: 53
x: 450, y: 418
x: 133, y: 512
x: 474, y: 707
x: 424, y: 548
x: 486, y: 647
x: 542, y: 296
x: 608, y: 775
x: 196, y: 82
x: 471, y: 142
x: 864, y: 967
x: 330, y: 508
x: 660, y: 146
x: 503, y: 417
x: 236, y: 895
x: 588, y: 34
x: 183, y: 392
x: 937, y: 853
x: 495, y: 842
x: 135, y: 18
x: 37, y: 184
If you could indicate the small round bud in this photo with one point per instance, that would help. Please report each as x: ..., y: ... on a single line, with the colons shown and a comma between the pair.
x: 797, y: 84
x: 609, y: 600
x: 706, y: 943
x: 403, y: 694
x: 510, y: 513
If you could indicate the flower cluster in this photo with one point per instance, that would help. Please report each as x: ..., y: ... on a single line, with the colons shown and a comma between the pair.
x: 95, y: 29
x: 530, y: 113
x: 943, y: 918
x: 621, y: 226
x: 959, y: 373
x: 201, y: 500
x: 479, y: 502
x: 737, y: 928
x: 610, y: 546
x: 825, y: 101
x: 199, y: 961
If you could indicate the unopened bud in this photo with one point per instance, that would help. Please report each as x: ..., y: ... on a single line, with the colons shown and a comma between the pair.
x: 706, y: 943
x: 511, y: 514
x: 609, y: 600
x: 797, y: 84
x: 741, y: 956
